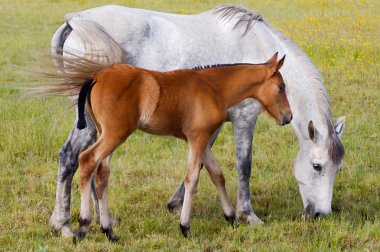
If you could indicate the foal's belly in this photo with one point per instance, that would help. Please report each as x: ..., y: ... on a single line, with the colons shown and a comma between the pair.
x: 163, y: 126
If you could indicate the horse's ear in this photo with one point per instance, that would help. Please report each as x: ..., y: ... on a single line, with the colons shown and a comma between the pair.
x: 339, y: 126
x: 280, y: 63
x: 313, y: 132
x: 273, y: 59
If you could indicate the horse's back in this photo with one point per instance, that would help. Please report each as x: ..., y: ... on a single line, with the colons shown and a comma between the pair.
x: 144, y: 34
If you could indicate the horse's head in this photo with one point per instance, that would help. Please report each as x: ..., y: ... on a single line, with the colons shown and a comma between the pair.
x: 317, y: 163
x: 273, y: 94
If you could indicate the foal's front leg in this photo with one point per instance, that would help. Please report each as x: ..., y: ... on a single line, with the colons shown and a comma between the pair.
x: 176, y: 201
x: 197, y: 146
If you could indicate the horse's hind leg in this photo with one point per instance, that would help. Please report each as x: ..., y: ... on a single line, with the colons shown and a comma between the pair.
x: 217, y: 178
x: 176, y: 200
x: 77, y: 141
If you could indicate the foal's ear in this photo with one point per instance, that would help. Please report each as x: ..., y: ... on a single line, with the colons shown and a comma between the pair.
x: 273, y: 59
x: 280, y: 63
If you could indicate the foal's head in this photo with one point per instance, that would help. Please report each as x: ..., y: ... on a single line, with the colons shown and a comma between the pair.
x: 272, y: 95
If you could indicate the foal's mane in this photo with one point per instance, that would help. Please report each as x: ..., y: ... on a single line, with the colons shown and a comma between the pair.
x: 222, y: 65
x: 247, y: 18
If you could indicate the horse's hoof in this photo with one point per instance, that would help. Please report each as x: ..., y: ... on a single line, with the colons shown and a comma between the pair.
x: 185, y: 231
x: 60, y: 228
x: 109, y: 234
x: 249, y: 218
x: 232, y: 220
x: 66, y: 232
x: 80, y: 235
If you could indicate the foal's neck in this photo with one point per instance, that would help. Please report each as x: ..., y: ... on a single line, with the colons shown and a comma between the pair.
x: 236, y: 83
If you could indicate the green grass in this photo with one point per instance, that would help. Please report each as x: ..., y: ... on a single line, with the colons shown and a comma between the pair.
x: 341, y: 37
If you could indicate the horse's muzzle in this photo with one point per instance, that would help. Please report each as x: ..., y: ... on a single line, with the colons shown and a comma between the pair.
x: 309, y: 213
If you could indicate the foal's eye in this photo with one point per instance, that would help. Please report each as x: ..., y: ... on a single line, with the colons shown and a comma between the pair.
x: 317, y: 167
x: 282, y: 87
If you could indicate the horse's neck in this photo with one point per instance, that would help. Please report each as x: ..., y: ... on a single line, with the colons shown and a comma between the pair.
x: 305, y: 90
x: 235, y: 83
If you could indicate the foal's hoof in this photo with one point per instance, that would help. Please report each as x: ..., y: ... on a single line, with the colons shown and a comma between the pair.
x: 80, y: 235
x: 232, y: 220
x: 185, y: 231
x: 110, y: 234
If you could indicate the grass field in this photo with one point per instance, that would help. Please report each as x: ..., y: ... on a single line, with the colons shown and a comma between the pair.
x: 343, y: 40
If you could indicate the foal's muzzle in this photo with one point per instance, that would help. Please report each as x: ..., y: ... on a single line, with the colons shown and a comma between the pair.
x: 286, y: 117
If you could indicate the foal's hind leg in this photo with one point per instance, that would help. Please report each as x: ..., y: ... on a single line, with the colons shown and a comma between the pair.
x: 101, y: 178
x: 89, y: 160
x: 217, y: 178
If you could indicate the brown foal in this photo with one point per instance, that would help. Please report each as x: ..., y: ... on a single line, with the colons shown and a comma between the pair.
x: 188, y: 104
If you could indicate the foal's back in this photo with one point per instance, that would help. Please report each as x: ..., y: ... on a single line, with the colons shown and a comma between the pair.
x: 169, y: 103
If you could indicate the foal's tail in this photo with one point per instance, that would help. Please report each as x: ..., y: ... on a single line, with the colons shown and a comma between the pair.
x: 83, y: 94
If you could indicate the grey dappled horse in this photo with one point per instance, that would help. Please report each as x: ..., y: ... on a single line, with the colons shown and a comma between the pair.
x: 225, y: 34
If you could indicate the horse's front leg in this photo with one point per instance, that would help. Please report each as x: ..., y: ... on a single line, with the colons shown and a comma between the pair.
x: 77, y: 141
x: 243, y: 117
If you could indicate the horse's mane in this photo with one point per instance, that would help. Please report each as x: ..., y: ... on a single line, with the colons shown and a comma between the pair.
x: 222, y: 65
x: 247, y: 18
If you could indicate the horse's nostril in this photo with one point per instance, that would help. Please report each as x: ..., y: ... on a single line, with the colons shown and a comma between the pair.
x: 316, y: 215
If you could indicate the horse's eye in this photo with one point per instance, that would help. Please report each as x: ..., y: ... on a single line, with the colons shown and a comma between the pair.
x: 317, y: 167
x: 282, y: 87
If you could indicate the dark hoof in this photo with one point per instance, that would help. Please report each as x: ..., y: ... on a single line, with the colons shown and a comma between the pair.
x: 185, y: 231
x: 110, y: 234
x: 232, y: 220
x: 174, y: 205
x: 80, y: 235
